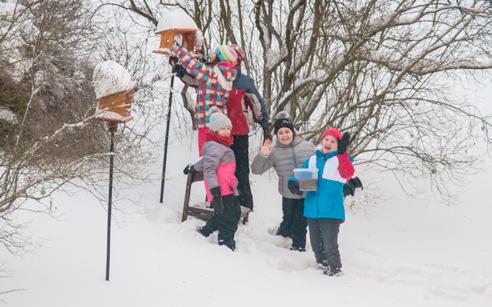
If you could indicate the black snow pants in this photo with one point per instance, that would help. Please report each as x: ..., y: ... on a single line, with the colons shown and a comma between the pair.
x: 240, y: 149
x: 225, y: 223
x: 293, y: 222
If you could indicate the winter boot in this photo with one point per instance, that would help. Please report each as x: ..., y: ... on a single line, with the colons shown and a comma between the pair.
x: 282, y: 233
x: 298, y: 248
x: 332, y: 271
x: 230, y: 243
x: 203, y: 231
x: 245, y: 214
x: 323, y: 266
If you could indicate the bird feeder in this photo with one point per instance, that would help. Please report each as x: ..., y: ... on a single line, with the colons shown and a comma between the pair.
x: 114, y: 91
x: 116, y: 107
x: 177, y: 26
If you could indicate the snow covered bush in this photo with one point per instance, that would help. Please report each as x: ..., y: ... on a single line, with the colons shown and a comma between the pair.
x: 48, y: 136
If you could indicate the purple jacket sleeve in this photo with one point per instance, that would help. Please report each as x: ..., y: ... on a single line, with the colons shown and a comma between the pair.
x: 198, y: 166
x: 212, y: 153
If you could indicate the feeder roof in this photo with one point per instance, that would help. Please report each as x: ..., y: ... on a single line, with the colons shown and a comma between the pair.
x: 110, y: 78
x: 176, y: 20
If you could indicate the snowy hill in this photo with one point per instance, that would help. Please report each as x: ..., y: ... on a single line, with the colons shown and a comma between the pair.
x: 404, y: 252
x: 397, y: 251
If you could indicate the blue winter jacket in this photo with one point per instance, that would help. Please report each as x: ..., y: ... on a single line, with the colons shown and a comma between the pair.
x: 327, y: 200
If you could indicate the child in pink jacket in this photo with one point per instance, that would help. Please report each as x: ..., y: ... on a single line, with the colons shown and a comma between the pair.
x: 218, y: 166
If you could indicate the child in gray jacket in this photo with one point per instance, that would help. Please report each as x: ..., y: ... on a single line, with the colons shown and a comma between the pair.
x: 218, y: 166
x: 289, y: 152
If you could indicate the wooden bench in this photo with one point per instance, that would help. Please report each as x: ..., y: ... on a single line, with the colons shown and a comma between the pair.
x: 201, y: 210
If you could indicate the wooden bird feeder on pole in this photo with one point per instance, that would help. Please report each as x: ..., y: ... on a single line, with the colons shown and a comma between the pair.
x: 114, y: 90
x: 177, y: 26
x: 116, y: 107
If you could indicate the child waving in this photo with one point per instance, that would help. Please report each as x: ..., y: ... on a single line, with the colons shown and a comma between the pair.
x: 324, y: 207
x: 289, y: 152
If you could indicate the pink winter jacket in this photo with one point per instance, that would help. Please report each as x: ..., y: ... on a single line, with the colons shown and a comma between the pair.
x: 218, y: 166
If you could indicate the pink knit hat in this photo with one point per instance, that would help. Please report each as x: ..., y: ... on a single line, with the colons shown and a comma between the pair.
x: 334, y: 132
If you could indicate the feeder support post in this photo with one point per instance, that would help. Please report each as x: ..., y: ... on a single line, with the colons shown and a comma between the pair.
x: 163, y: 177
x: 112, y: 126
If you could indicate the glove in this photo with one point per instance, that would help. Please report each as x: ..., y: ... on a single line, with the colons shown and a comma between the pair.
x: 176, y: 68
x: 179, y: 70
x: 348, y: 189
x: 267, y: 135
x: 189, y: 169
x: 294, y: 187
x: 343, y: 143
x: 357, y: 183
x: 351, y: 185
x: 217, y: 201
x: 173, y: 61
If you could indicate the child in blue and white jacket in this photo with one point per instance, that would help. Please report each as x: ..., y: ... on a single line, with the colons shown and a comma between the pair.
x: 324, y: 207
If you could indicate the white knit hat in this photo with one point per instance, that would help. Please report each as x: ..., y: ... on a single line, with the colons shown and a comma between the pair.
x: 218, y: 120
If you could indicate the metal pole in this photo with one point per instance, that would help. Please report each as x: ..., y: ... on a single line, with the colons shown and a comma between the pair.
x: 163, y: 177
x: 112, y: 129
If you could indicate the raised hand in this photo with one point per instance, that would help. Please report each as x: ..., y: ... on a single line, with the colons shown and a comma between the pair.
x: 266, y: 147
x: 343, y: 143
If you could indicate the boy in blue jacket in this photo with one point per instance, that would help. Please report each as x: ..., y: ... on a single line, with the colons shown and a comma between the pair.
x: 324, y: 207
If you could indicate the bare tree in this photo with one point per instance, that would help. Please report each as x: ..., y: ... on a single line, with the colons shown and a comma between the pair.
x: 46, y: 82
x: 382, y: 70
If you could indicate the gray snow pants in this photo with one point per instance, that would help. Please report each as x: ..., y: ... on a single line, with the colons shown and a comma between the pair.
x: 323, y: 234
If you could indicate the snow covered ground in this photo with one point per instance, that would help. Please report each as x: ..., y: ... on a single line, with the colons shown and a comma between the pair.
x: 400, y: 252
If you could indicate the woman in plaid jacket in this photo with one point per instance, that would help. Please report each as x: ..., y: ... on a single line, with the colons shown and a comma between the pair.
x: 214, y: 82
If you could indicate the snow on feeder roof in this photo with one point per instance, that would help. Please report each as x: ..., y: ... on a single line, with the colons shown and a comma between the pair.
x: 180, y: 27
x: 114, y: 90
x: 176, y: 20
x: 111, y: 78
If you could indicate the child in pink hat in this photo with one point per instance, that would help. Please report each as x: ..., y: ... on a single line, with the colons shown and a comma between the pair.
x: 324, y: 208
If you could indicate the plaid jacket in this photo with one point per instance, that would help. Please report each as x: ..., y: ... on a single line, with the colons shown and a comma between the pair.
x: 215, y: 83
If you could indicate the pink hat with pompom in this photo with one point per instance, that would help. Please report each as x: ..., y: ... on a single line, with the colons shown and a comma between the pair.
x: 334, y: 132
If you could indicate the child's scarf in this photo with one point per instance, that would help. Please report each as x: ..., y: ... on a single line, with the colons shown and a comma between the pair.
x: 224, y: 140
x: 225, y: 80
